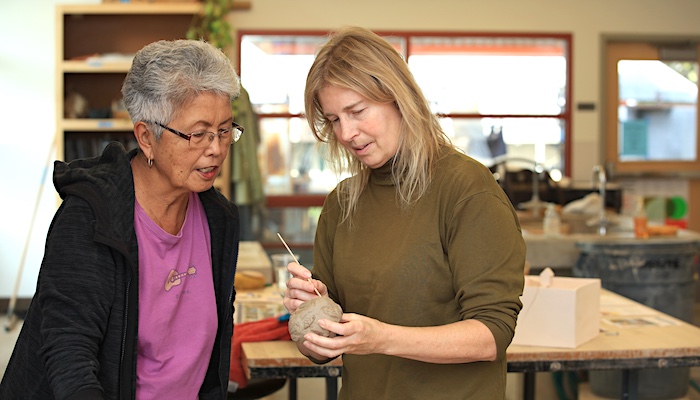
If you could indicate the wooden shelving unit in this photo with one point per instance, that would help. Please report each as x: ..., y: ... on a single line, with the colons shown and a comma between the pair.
x: 120, y: 29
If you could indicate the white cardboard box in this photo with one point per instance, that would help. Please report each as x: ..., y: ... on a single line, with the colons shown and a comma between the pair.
x: 564, y: 314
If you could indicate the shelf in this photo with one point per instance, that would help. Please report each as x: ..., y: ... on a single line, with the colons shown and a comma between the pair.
x: 144, y: 8
x: 94, y: 44
x: 132, y: 8
x: 106, y: 125
x: 302, y: 201
x: 95, y: 66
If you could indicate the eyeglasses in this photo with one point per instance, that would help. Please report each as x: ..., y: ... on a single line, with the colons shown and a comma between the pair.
x: 226, y: 136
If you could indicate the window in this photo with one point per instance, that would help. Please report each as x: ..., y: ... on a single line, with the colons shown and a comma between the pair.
x: 497, y: 95
x: 652, y: 107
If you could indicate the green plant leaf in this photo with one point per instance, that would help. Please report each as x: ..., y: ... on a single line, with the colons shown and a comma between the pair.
x: 211, y: 25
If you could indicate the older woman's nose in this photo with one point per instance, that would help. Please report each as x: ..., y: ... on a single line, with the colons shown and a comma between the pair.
x: 216, y: 145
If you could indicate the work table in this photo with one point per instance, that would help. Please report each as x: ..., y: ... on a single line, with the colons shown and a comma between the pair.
x: 632, y: 336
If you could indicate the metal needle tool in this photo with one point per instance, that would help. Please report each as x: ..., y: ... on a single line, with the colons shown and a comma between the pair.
x: 295, y: 259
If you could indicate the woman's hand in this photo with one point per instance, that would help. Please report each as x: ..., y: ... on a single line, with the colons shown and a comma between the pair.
x: 357, y: 334
x: 300, y: 288
x: 459, y: 342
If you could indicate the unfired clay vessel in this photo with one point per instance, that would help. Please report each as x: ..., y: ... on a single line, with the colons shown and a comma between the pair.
x: 305, y: 318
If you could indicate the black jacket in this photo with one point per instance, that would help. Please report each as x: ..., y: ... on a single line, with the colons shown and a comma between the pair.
x: 78, y: 340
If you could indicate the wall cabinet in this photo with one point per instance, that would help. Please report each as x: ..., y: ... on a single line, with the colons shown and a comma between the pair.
x: 94, y: 47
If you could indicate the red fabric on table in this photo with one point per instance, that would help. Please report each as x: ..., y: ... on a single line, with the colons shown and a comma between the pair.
x: 255, y: 331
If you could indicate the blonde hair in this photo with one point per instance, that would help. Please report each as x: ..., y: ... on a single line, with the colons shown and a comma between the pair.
x: 360, y: 60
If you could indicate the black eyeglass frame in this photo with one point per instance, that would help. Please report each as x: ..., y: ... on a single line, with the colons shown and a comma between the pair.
x: 234, y: 126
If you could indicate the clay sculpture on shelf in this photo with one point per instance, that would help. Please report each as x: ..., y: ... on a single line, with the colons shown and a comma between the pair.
x: 305, y: 318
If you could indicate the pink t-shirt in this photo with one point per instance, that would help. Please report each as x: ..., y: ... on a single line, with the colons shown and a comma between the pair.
x: 177, y: 306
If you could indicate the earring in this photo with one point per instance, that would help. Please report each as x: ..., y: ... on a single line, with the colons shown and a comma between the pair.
x: 150, y: 162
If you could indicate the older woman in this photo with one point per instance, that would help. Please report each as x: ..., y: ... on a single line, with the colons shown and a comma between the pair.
x: 420, y: 247
x: 134, y: 297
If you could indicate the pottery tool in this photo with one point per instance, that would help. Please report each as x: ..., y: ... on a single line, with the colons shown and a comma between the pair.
x: 295, y: 260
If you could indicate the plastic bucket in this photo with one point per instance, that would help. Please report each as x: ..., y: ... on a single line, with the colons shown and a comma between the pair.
x: 658, y: 274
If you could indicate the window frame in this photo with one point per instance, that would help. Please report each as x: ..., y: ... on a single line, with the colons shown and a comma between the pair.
x: 621, y: 49
x: 565, y: 115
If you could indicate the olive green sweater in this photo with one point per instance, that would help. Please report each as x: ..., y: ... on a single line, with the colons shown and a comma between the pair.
x: 457, y: 254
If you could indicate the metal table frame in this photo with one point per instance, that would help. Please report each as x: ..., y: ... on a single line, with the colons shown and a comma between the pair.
x: 629, y: 367
x: 630, y: 370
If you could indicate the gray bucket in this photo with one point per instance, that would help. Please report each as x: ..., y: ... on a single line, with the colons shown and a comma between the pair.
x: 658, y: 274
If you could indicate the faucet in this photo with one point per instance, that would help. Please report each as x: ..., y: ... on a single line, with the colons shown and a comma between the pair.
x: 534, y: 204
x: 601, y: 222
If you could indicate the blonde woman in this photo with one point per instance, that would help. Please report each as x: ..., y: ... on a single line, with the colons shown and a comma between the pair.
x: 420, y: 247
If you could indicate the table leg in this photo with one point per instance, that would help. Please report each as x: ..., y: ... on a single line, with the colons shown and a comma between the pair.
x: 331, y: 388
x: 292, y: 388
x: 529, y: 385
x: 630, y: 380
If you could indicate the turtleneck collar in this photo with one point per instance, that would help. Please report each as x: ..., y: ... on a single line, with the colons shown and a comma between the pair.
x: 382, y: 175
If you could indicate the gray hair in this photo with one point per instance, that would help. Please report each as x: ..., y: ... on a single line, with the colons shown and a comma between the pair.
x: 166, y: 75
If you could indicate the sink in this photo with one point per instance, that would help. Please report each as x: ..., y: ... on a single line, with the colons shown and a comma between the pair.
x: 562, y: 252
x: 574, y: 224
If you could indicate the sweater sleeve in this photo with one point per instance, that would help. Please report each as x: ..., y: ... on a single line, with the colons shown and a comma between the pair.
x: 323, y: 244
x: 75, y: 290
x: 487, y: 254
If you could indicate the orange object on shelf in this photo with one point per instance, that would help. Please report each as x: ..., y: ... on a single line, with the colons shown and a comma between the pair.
x: 641, y: 230
x: 662, y: 230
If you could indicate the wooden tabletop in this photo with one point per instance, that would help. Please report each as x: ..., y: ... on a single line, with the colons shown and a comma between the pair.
x: 629, y: 331
x: 252, y: 257
x: 251, y: 254
x: 632, y: 336
x: 282, y: 359
x: 281, y: 353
